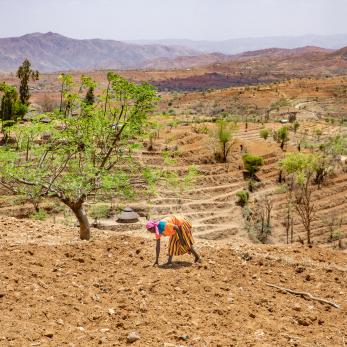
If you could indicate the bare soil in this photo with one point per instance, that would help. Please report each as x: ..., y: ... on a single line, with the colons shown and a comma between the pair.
x: 57, y: 291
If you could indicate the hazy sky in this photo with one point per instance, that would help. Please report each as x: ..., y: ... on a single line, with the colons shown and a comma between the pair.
x: 156, y: 19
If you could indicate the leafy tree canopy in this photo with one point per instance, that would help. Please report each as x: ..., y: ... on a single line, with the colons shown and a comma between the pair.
x: 87, y: 152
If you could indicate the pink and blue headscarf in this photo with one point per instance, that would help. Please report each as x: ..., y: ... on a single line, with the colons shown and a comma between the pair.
x: 153, y: 224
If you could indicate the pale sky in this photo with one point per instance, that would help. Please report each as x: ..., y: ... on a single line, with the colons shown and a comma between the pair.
x: 159, y: 19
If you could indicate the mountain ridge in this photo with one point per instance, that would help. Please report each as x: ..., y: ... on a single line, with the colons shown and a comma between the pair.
x: 239, y: 45
x: 50, y: 52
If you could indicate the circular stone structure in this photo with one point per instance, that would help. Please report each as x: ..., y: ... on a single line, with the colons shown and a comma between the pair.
x: 128, y: 216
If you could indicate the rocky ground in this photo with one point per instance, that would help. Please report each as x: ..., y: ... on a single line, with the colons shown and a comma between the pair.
x: 58, y: 291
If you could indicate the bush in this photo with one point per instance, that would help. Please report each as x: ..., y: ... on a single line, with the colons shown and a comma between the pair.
x: 252, y: 163
x: 243, y: 196
x: 39, y: 215
x: 335, y: 235
x: 264, y: 133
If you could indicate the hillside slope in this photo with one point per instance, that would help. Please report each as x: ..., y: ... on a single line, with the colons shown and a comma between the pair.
x: 53, y: 52
x: 56, y: 291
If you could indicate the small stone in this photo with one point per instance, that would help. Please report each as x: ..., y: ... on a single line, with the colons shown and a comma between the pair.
x: 96, y: 297
x: 60, y: 322
x: 299, y: 269
x: 246, y: 256
x: 49, y: 334
x: 252, y: 315
x: 111, y: 311
x: 259, y: 333
x: 104, y: 330
x: 297, y: 307
x: 304, y: 322
x: 183, y: 337
x: 133, y: 337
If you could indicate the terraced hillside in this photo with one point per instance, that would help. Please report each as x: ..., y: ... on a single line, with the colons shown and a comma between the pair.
x: 211, y: 201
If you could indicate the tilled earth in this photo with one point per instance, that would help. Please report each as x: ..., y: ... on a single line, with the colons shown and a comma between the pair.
x: 55, y: 291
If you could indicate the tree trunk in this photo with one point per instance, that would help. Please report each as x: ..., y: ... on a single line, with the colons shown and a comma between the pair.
x: 83, y: 222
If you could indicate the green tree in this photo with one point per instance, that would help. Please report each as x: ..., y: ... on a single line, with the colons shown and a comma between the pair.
x: 65, y: 89
x: 90, y: 98
x: 296, y: 126
x: 224, y: 135
x: 282, y: 136
x: 302, y: 166
x: 11, y: 108
x: 87, y: 82
x: 252, y: 164
x: 25, y: 73
x: 89, y: 153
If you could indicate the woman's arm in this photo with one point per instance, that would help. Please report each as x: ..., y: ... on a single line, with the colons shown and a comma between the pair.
x: 157, y: 252
x: 179, y: 233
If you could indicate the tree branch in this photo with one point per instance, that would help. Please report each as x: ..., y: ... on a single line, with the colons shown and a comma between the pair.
x: 304, y: 295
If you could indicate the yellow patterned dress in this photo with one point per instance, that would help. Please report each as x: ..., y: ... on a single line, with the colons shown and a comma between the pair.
x: 166, y: 228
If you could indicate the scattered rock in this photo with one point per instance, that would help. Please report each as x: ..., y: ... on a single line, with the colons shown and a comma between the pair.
x: 296, y: 307
x: 111, y: 311
x: 246, y: 256
x: 259, y: 333
x: 49, y: 334
x: 133, y: 337
x: 182, y: 338
x: 309, y: 278
x: 300, y: 269
x: 304, y: 321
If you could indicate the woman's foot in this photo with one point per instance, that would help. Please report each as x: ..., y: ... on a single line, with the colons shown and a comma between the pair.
x: 197, y: 260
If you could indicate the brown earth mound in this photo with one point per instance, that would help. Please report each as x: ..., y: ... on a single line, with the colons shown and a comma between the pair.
x: 54, y: 292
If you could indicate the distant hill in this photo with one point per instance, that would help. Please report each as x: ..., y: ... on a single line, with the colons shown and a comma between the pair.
x: 266, y: 56
x: 53, y: 52
x: 235, y: 46
x: 262, y: 66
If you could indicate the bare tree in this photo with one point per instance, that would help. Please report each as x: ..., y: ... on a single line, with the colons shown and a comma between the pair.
x: 262, y: 218
x: 304, y: 206
x: 289, y: 219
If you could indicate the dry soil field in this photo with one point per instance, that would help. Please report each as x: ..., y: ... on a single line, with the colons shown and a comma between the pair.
x: 58, y: 291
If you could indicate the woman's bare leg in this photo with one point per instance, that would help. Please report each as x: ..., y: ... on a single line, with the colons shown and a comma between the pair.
x: 169, y: 260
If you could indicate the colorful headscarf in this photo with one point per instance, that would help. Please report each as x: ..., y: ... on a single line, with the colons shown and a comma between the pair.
x: 153, y: 224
